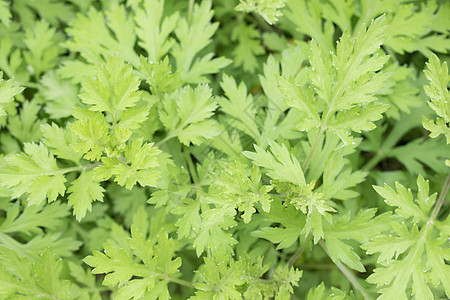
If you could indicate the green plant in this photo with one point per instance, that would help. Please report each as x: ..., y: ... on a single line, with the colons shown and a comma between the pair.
x: 224, y: 149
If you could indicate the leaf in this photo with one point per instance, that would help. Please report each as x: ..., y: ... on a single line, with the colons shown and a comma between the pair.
x: 439, y: 78
x: 290, y: 218
x: 360, y: 228
x: 268, y: 9
x: 154, y: 30
x: 83, y: 191
x: 59, y: 94
x: 8, y: 90
x: 112, y: 31
x: 248, y: 47
x: 187, y: 115
x: 193, y: 37
x: 59, y: 140
x: 140, y: 270
x: 239, y: 106
x: 16, y: 277
x: 159, y: 76
x: 34, y: 173
x: 52, y: 11
x: 218, y: 281
x: 139, y: 165
x: 113, y: 89
x: 43, y: 43
x: 92, y: 132
x: 5, y: 14
x: 419, y: 254
x: 281, y: 163
x: 26, y: 125
x: 431, y: 153
x: 33, y: 218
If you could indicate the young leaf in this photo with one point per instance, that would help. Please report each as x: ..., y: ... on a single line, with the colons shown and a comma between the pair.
x: 113, y: 89
x: 438, y: 91
x: 8, y: 89
x: 187, y: 115
x: 138, y: 165
x: 154, y: 30
x: 34, y: 173
x: 417, y: 244
x: 268, y: 9
x: 143, y: 268
x: 193, y: 36
x: 83, y: 191
x: 21, y: 277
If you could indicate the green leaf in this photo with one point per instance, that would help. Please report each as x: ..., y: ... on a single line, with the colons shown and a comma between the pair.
x: 439, y: 94
x: 59, y: 94
x: 268, y: 9
x: 154, y: 29
x: 8, y: 90
x: 97, y: 35
x: 139, y: 165
x: 187, y: 114
x: 52, y: 11
x: 360, y: 228
x: 281, y: 163
x: 33, y: 218
x: 5, y: 14
x: 193, y: 37
x: 113, y: 89
x: 292, y: 220
x: 25, y: 126
x: 43, y: 43
x: 141, y: 269
x: 159, y: 76
x: 34, y: 173
x: 59, y: 141
x: 218, y: 281
x: 417, y: 245
x: 83, y: 191
x: 248, y: 47
x: 91, y: 129
x: 239, y: 105
x: 21, y: 277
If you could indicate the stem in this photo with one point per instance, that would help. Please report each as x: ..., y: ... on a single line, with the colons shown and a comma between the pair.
x: 190, y: 164
x: 347, y: 273
x: 181, y: 282
x: 440, y: 200
x: 68, y: 170
x: 32, y: 85
x: 262, y: 23
x: 168, y: 137
x: 190, y: 11
x: 299, y: 252
x: 373, y: 162
x: 391, y: 54
x: 311, y: 151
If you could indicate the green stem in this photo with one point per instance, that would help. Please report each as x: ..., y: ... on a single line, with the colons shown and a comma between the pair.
x: 311, y: 150
x: 29, y: 84
x: 179, y: 281
x: 440, y: 200
x: 168, y: 137
x: 391, y: 54
x: 190, y: 11
x: 191, y: 166
x: 347, y: 273
x: 262, y: 23
x: 68, y: 170
x: 373, y: 161
x: 299, y: 252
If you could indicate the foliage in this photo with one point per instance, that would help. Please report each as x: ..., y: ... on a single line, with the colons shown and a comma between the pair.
x: 252, y: 149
